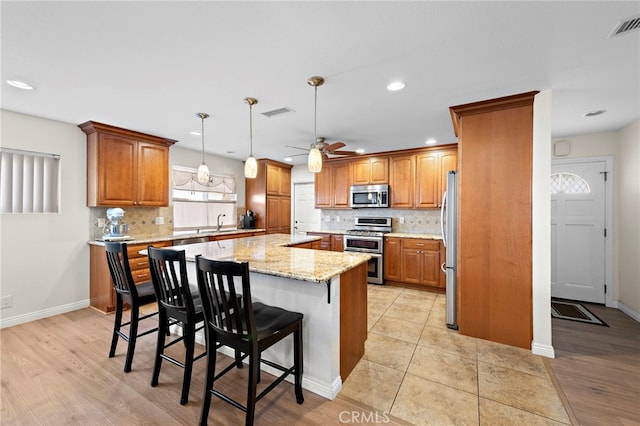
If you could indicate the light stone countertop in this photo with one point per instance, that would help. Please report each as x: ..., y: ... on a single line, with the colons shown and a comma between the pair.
x: 330, y: 231
x: 412, y: 235
x: 270, y: 254
x: 144, y: 239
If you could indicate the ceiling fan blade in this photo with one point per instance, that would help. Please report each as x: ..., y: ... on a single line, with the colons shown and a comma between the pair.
x: 297, y: 155
x: 344, y: 153
x: 324, y: 156
x: 297, y: 147
x: 334, y: 146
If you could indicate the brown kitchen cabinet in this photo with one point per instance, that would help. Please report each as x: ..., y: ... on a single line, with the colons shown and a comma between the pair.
x: 495, y: 139
x: 413, y: 261
x: 269, y: 196
x: 329, y: 241
x: 392, y: 254
x: 370, y: 171
x: 101, y: 293
x: 126, y: 168
x: 419, y: 180
x: 332, y: 185
x: 337, y: 243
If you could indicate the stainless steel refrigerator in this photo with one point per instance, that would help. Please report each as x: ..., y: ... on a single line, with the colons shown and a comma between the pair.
x: 449, y: 225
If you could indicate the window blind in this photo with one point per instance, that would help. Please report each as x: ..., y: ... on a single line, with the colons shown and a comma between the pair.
x: 29, y: 182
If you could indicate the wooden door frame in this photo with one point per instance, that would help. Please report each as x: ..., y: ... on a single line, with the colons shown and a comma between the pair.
x: 608, y: 219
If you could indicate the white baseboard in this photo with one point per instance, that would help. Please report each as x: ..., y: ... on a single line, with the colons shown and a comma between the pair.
x: 543, y: 350
x: 49, y: 312
x: 627, y: 310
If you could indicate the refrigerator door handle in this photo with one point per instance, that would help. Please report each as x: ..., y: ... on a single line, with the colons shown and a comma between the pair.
x: 442, y: 228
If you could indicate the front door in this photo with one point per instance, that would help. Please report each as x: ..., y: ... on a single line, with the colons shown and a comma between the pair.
x: 306, y: 217
x: 578, y: 231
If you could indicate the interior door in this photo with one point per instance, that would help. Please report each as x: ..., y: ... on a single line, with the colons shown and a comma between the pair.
x: 578, y: 231
x: 306, y: 216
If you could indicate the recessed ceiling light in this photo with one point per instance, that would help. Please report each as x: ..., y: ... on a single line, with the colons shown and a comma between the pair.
x: 594, y: 113
x: 231, y: 152
x: 394, y: 86
x: 20, y: 84
x: 430, y: 141
x: 194, y: 133
x: 360, y: 150
x: 288, y: 159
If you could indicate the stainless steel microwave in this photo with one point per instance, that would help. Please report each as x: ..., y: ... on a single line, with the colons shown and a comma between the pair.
x: 369, y: 196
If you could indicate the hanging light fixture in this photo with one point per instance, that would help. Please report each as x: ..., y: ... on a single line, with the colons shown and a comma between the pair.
x: 250, y: 165
x: 314, y: 162
x: 203, y: 170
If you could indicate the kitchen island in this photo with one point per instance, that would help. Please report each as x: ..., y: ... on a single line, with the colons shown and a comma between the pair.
x: 329, y: 288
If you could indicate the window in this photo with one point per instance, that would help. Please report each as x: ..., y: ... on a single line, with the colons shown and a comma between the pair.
x: 568, y: 183
x: 197, y: 206
x: 29, y: 182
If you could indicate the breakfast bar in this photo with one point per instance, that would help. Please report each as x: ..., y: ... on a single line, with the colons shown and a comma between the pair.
x: 329, y: 288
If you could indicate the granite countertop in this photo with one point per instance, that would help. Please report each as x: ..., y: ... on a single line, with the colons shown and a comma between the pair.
x: 140, y: 239
x: 270, y: 254
x: 412, y: 235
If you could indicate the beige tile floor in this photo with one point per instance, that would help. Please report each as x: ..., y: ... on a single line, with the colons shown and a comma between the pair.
x: 418, y: 370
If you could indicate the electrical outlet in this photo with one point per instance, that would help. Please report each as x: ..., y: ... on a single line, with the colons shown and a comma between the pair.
x: 6, y: 302
x: 159, y: 220
x: 327, y: 218
x: 101, y: 222
x: 337, y: 218
x: 401, y: 220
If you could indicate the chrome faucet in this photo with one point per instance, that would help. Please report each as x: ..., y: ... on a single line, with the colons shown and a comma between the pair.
x: 219, y: 222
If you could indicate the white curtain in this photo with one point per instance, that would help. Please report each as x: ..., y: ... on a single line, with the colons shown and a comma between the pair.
x: 29, y: 182
x: 186, y: 179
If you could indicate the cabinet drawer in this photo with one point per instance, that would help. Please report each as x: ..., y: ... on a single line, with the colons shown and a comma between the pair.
x: 138, y: 263
x: 141, y: 275
x: 419, y: 244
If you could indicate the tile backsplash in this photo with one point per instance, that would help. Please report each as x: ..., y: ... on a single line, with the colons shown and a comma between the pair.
x: 425, y: 221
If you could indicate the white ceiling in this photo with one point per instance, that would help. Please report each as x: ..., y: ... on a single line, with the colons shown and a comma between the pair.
x: 150, y: 66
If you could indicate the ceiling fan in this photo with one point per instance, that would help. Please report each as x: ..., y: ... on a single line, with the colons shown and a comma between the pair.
x: 326, y: 149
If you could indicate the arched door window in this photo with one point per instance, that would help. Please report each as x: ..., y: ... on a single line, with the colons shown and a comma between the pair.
x: 568, y: 183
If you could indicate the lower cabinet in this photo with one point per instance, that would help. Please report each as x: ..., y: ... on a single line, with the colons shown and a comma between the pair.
x: 413, y: 261
x: 101, y: 292
x: 333, y: 242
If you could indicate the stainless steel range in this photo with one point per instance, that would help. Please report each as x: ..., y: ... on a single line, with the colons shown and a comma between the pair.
x: 368, y: 237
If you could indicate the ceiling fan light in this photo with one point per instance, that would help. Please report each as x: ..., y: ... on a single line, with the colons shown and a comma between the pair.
x: 203, y: 173
x: 250, y: 167
x: 315, y: 160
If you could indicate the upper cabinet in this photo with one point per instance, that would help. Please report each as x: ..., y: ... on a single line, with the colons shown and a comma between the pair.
x: 419, y: 180
x: 332, y: 185
x: 126, y: 168
x: 269, y: 196
x: 370, y: 171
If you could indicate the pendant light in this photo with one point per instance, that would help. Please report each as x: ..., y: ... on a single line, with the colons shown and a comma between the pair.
x: 250, y: 165
x: 203, y: 170
x: 314, y: 162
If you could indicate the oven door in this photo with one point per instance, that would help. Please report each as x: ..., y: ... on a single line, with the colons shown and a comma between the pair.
x: 374, y: 269
x: 363, y: 244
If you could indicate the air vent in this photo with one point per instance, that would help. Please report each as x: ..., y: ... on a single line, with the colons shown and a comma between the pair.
x: 626, y: 25
x: 277, y: 111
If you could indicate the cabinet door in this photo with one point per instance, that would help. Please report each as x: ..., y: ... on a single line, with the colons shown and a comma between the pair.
x: 323, y: 187
x: 427, y: 180
x: 361, y: 172
x: 448, y: 162
x: 336, y: 243
x: 401, y: 181
x: 152, y: 175
x: 285, y: 182
x: 411, y: 269
x: 325, y: 242
x: 284, y: 215
x: 341, y: 185
x: 379, y: 170
x: 273, y: 179
x: 271, y: 219
x: 116, y: 171
x: 430, y: 268
x: 392, y: 255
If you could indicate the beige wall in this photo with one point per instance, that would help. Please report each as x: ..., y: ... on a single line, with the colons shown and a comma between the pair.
x: 44, y: 258
x: 628, y: 210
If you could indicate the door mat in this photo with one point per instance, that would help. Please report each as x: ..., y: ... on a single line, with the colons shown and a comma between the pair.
x: 574, y: 311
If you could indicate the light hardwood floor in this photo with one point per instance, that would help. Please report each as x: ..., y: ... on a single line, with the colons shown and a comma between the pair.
x: 56, y: 371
